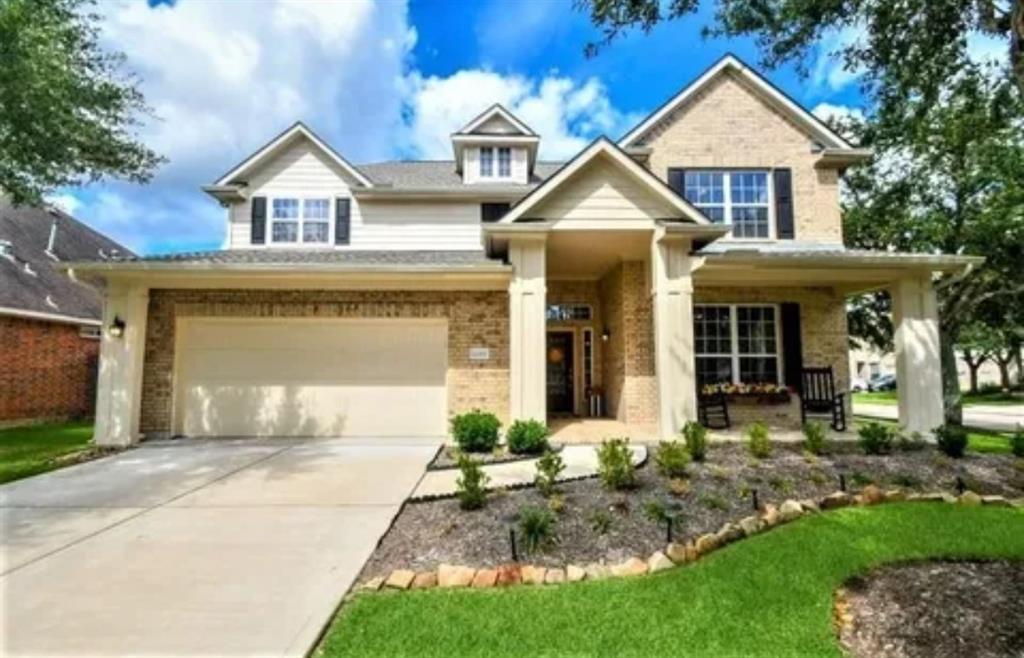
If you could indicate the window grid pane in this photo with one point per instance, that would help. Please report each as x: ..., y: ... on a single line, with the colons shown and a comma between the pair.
x: 316, y: 208
x: 285, y: 232
x: 712, y: 331
x: 504, y: 162
x: 706, y: 190
x: 713, y: 370
x: 316, y: 232
x: 755, y: 329
x: 487, y: 161
x: 748, y: 193
x: 759, y: 369
x: 286, y: 209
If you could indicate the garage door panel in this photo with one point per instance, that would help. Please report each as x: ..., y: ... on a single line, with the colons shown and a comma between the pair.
x: 312, y: 378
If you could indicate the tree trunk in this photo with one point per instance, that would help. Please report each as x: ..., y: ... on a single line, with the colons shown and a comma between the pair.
x: 952, y: 402
x: 1004, y: 375
x: 1020, y: 367
x: 974, y: 377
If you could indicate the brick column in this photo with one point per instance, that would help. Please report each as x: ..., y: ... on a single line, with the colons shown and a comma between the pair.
x: 918, y: 369
x: 675, y: 365
x: 527, y: 329
x: 119, y: 384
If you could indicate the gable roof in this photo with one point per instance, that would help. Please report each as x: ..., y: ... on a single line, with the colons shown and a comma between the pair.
x: 31, y: 283
x: 496, y: 110
x: 602, y: 146
x: 759, y: 84
x: 271, y: 147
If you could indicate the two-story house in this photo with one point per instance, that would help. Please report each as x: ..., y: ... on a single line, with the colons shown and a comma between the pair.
x: 380, y: 299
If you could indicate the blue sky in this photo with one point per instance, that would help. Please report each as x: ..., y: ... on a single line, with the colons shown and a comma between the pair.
x: 378, y: 81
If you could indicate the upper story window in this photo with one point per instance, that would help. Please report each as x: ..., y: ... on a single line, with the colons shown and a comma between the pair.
x: 504, y: 162
x: 486, y: 162
x: 300, y: 220
x: 740, y: 198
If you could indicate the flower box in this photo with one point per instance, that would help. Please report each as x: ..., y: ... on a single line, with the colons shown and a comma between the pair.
x: 751, y: 394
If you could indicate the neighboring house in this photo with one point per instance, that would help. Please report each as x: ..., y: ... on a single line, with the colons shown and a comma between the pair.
x: 867, y: 363
x: 381, y: 299
x: 49, y: 323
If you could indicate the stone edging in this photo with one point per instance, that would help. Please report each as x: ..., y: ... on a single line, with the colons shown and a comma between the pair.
x: 675, y: 554
x: 510, y: 458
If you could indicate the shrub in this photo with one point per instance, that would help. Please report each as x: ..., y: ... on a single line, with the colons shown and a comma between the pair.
x: 549, y: 467
x: 601, y: 522
x: 471, y: 484
x: 556, y: 503
x: 875, y: 439
x: 695, y: 436
x: 615, y: 464
x: 814, y: 437
x: 951, y: 440
x: 537, y: 528
x: 672, y: 459
x: 714, y: 502
x: 911, y: 443
x: 656, y: 511
x: 476, y: 431
x: 1017, y: 442
x: 679, y: 486
x: 527, y: 437
x: 758, y: 441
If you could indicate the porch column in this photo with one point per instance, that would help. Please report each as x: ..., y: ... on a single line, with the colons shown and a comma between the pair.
x: 918, y: 369
x: 527, y: 337
x: 119, y: 383
x: 675, y: 364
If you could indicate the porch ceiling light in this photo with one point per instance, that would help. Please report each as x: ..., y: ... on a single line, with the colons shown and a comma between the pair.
x: 606, y: 334
x: 116, y: 328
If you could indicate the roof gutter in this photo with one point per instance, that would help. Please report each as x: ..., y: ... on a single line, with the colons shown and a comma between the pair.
x: 136, y: 267
x: 838, y: 260
x: 474, y: 193
x: 47, y: 317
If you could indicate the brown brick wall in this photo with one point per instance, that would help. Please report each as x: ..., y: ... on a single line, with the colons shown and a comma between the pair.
x: 630, y: 385
x: 726, y: 125
x: 47, y: 370
x: 475, y: 319
x: 822, y: 323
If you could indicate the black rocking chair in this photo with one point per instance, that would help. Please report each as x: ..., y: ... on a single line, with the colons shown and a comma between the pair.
x: 818, y: 396
x: 713, y: 410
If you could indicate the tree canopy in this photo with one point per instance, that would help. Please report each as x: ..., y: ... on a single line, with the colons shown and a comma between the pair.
x: 67, y: 107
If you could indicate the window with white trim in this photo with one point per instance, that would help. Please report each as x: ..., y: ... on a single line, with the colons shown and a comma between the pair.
x: 736, y: 343
x: 306, y: 221
x: 504, y: 162
x: 740, y: 198
x: 486, y: 161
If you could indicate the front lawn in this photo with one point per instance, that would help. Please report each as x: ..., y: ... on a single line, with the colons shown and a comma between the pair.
x: 770, y: 595
x: 35, y: 449
x: 995, y: 398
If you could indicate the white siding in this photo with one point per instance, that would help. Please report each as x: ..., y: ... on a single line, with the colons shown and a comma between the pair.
x: 302, y: 170
x: 601, y: 191
x: 497, y: 125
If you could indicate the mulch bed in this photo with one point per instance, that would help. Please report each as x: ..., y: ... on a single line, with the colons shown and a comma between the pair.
x: 931, y: 609
x: 426, y: 534
x: 448, y: 457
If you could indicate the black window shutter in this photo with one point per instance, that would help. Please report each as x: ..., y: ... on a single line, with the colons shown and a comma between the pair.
x: 792, y: 346
x: 784, y: 228
x: 677, y: 181
x: 342, y: 214
x: 258, y: 232
x: 492, y: 212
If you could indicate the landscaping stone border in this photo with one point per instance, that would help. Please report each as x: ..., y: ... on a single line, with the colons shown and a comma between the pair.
x: 507, y: 458
x: 674, y: 554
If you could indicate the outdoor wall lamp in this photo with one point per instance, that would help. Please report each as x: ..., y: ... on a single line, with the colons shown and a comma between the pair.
x: 116, y: 329
x: 605, y: 334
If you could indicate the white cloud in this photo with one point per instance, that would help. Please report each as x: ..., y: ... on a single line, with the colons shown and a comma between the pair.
x: 836, y: 116
x: 66, y: 202
x: 829, y: 70
x: 225, y: 77
x: 566, y: 114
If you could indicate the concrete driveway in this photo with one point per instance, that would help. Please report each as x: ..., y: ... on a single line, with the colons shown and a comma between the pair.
x: 189, y: 548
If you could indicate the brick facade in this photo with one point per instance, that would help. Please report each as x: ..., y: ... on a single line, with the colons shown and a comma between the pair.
x: 47, y: 370
x: 631, y: 389
x: 824, y: 338
x: 475, y: 319
x: 727, y: 125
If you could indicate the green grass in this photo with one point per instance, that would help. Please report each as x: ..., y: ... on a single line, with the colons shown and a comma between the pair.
x: 890, y: 398
x: 26, y: 451
x: 769, y: 596
x: 978, y: 439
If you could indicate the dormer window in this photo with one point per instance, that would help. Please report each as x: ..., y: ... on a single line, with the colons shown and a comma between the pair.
x: 504, y: 162
x: 486, y: 162
x: 306, y: 218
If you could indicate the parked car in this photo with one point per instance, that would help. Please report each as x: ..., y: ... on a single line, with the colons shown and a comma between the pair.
x: 882, y: 383
x: 858, y: 384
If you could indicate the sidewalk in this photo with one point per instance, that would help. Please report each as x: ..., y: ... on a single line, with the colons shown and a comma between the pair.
x: 1000, y: 418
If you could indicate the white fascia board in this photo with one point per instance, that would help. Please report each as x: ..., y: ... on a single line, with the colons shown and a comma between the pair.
x: 297, y: 129
x: 783, y: 102
x: 48, y: 317
x: 496, y: 110
x: 603, y: 146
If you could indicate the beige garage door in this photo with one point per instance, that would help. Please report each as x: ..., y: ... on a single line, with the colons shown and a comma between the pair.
x: 298, y: 377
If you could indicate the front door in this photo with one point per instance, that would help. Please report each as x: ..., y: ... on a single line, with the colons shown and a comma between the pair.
x: 559, y: 360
